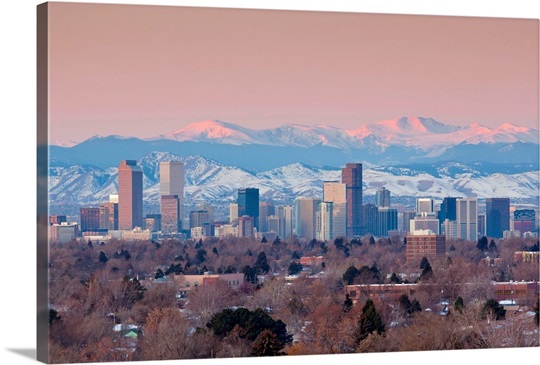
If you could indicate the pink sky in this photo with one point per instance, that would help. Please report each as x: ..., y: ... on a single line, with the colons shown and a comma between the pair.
x: 150, y: 70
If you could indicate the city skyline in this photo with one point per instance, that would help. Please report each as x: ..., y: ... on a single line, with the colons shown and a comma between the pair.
x: 143, y: 75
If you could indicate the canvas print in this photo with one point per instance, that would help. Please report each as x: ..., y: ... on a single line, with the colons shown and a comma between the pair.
x: 218, y: 183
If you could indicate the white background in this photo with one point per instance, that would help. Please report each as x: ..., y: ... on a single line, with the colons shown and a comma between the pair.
x: 17, y: 170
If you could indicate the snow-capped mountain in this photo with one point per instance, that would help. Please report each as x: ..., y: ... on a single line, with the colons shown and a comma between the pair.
x: 211, y: 181
x: 418, y: 132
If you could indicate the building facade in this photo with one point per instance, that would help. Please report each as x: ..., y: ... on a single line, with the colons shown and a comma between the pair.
x: 130, y: 195
x: 336, y: 193
x: 467, y: 218
x: 497, y: 216
x: 305, y: 217
x: 351, y: 176
x: 382, y: 197
x: 424, y: 245
x: 89, y: 219
x: 248, y: 204
x: 170, y: 214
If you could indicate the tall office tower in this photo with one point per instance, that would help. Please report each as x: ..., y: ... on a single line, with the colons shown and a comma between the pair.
x: 171, y: 182
x: 448, y: 210
x: 170, y: 214
x: 89, y: 219
x: 524, y: 220
x: 198, y: 217
x: 245, y: 226
x: 324, y: 221
x: 382, y: 197
x: 336, y: 192
x: 407, y: 216
x: 276, y: 224
x: 108, y: 216
x: 130, y: 195
x: 467, y: 218
x: 426, y: 221
x: 351, y: 176
x: 387, y: 221
x: 266, y: 209
x: 481, y: 225
x: 152, y: 222
x: 286, y: 212
x: 233, y: 212
x: 305, y: 209
x: 424, y: 205
x: 248, y: 204
x: 497, y: 216
x: 57, y: 219
x: 450, y: 229
x: 371, y: 218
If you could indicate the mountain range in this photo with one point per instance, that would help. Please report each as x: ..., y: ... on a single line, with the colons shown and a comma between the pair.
x: 400, y: 141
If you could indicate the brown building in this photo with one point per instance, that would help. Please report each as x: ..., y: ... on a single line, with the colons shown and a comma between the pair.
x: 245, y: 226
x: 170, y: 214
x: 108, y: 216
x: 130, y: 195
x: 379, y: 291
x: 425, y: 245
x: 351, y: 176
x: 89, y: 219
x: 57, y: 219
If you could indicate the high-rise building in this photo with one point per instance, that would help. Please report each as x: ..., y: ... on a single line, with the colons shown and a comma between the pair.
x: 371, y: 218
x: 198, y: 217
x: 387, y: 220
x: 171, y: 182
x: 448, y: 209
x: 421, y: 245
x: 152, y: 222
x: 233, y: 212
x: 108, y: 216
x: 89, y: 219
x: 481, y: 225
x: 336, y: 193
x: 305, y: 217
x: 325, y: 221
x: 467, y: 218
x: 424, y: 205
x: 525, y: 220
x: 382, y: 197
x: 497, y: 216
x: 63, y: 232
x: 170, y: 214
x: 351, y: 176
x: 286, y: 213
x: 266, y: 209
x: 407, y: 216
x: 130, y: 195
x: 248, y: 204
x: 57, y: 219
x: 246, y: 225
x: 425, y: 221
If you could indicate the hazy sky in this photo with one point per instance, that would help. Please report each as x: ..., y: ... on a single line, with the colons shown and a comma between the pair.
x: 150, y: 70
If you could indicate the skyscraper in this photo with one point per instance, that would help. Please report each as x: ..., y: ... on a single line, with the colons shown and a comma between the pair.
x: 497, y: 216
x: 305, y: 217
x: 285, y: 212
x: 171, y: 182
x: 89, y: 219
x: 108, y: 216
x: 266, y: 209
x: 248, y: 204
x: 130, y: 195
x: 524, y: 220
x: 371, y: 218
x: 382, y: 197
x: 324, y: 223
x: 424, y: 205
x: 467, y: 218
x: 351, y: 176
x: 387, y: 220
x: 336, y: 193
x: 170, y: 214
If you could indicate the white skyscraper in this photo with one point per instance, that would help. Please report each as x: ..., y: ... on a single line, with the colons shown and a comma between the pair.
x: 424, y: 205
x: 325, y: 219
x: 336, y: 193
x: 467, y: 218
x: 171, y: 182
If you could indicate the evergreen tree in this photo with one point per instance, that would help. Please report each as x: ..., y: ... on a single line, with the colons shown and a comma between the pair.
x: 370, y: 321
x: 536, y: 310
x: 261, y: 265
x: 215, y: 251
x: 493, y: 308
x: 276, y: 241
x: 267, y: 343
x: 102, y: 257
x: 264, y: 240
x: 395, y: 279
x: 201, y: 255
x: 349, y: 275
x: 492, y: 246
x: 459, y: 305
x: 482, y: 244
x: 423, y: 262
x: 427, y: 273
x: 348, y: 303
x: 159, y: 274
x: 294, y: 268
x: 371, y: 240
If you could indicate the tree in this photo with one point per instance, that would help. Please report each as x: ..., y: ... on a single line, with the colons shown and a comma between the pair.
x: 261, y: 264
x: 494, y: 309
x: 427, y: 272
x: 459, y: 305
x: 294, y: 268
x: 371, y: 240
x: 482, y: 244
x: 492, y: 246
x: 264, y: 240
x: 407, y: 306
x: 370, y: 321
x: 102, y: 257
x: 349, y: 275
x: 214, y: 250
x: 159, y: 274
x: 423, y: 262
x: 201, y: 255
x: 267, y: 343
x: 347, y: 304
x: 395, y: 279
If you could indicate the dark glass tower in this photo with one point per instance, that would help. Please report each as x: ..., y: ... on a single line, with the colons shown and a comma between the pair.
x: 497, y: 216
x: 248, y: 204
